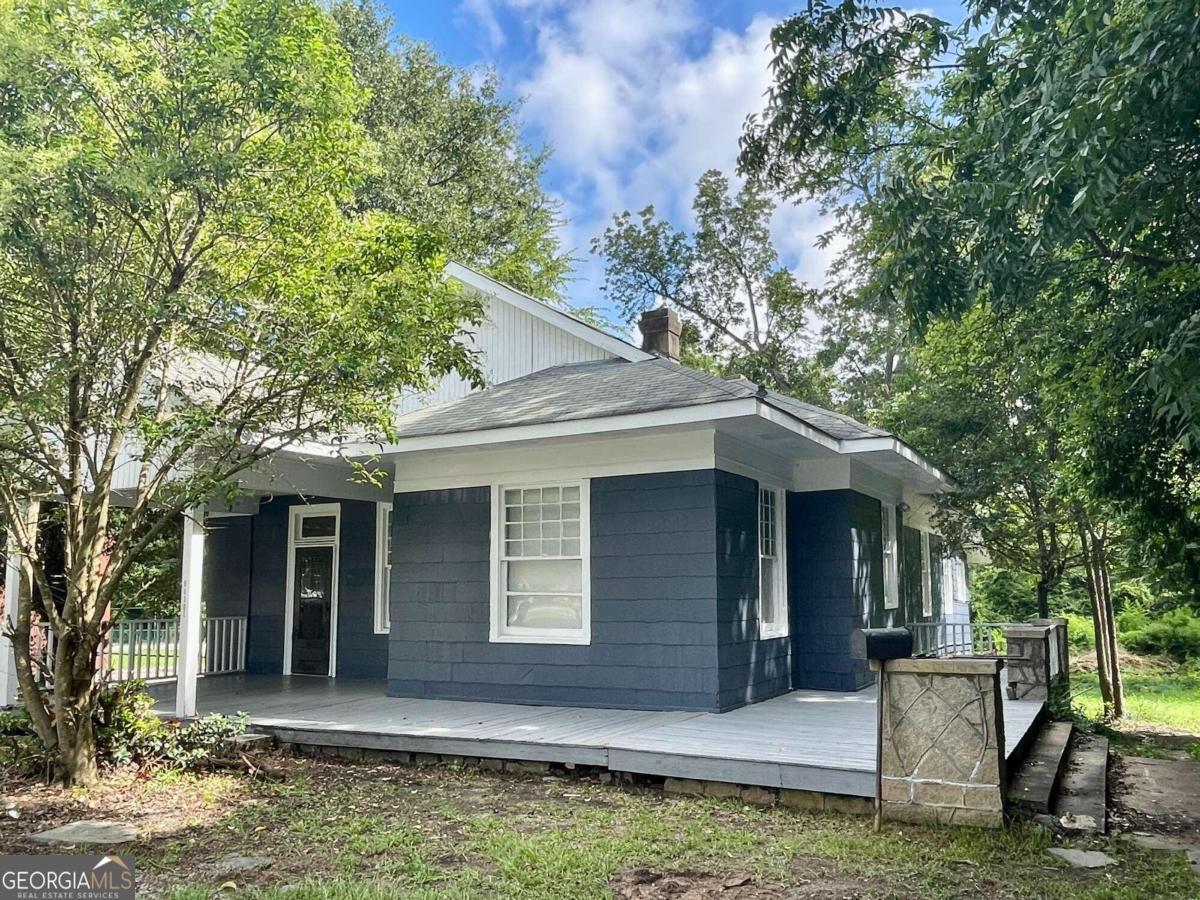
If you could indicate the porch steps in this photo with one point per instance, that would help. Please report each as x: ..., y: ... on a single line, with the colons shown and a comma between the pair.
x: 1033, y: 787
x: 1081, y: 805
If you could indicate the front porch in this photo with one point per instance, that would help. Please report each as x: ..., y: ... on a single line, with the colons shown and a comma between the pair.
x: 806, y: 740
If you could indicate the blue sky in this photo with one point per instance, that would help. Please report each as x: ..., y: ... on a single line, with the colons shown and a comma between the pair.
x: 636, y: 98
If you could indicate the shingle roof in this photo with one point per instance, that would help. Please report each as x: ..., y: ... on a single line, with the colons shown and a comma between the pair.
x: 608, y: 388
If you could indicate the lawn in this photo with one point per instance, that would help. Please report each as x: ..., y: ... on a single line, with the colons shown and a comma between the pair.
x: 1154, y: 701
x: 342, y: 831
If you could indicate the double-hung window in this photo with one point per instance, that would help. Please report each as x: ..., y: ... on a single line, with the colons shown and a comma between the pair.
x: 891, y: 571
x: 926, y: 578
x: 383, y: 566
x: 540, y: 549
x: 772, y: 565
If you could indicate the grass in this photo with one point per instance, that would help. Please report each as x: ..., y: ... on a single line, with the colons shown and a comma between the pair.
x: 341, y: 832
x: 1154, y: 701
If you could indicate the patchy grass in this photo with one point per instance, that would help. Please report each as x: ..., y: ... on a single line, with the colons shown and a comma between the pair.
x: 359, y: 832
x: 1154, y: 701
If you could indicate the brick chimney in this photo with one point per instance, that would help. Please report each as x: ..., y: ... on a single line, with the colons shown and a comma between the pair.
x: 660, y: 332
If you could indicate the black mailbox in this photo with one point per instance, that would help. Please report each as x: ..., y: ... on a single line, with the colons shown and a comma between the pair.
x: 881, y: 643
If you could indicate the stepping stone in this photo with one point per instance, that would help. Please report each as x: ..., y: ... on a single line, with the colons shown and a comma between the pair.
x: 87, y: 831
x: 1083, y: 859
x: 228, y: 865
x: 250, y: 741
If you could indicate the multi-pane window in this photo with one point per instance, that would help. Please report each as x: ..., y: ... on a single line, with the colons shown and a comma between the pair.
x: 383, y: 567
x: 891, y: 573
x: 772, y: 598
x: 926, y: 578
x: 542, y: 584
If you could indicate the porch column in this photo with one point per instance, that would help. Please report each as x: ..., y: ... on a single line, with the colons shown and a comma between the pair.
x: 190, y: 603
x: 8, y: 660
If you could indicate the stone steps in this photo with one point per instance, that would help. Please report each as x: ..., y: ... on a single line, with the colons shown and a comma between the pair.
x: 1081, y: 804
x: 1032, y: 788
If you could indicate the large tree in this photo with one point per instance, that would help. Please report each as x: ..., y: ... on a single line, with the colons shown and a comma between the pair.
x: 451, y: 156
x: 1040, y: 147
x: 744, y: 312
x: 182, y: 290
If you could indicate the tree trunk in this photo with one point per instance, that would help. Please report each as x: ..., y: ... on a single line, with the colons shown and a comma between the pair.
x: 1099, y: 588
x: 75, y: 702
x: 1043, y: 596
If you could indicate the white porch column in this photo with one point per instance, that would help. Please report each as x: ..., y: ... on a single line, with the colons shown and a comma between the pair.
x: 8, y: 661
x: 191, y: 577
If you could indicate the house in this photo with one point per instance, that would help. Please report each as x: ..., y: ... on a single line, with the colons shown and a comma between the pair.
x: 600, y: 527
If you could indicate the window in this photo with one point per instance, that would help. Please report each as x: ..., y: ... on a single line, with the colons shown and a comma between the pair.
x: 541, y: 589
x: 772, y: 578
x: 383, y: 567
x: 891, y: 574
x: 926, y: 578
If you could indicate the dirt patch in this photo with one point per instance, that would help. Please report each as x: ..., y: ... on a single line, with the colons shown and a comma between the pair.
x: 816, y: 879
x: 1156, y: 796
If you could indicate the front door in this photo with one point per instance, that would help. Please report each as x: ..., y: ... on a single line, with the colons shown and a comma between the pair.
x: 312, y: 610
x: 312, y: 590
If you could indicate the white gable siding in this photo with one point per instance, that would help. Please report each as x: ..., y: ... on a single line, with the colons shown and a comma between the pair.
x: 512, y: 343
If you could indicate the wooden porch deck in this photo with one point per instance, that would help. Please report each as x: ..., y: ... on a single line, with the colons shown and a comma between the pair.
x: 808, y: 740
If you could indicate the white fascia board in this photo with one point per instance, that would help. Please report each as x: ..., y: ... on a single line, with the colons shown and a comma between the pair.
x: 786, y: 420
x: 905, y: 452
x: 547, y: 313
x: 686, y: 415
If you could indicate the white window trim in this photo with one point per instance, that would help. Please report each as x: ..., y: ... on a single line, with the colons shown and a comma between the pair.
x: 926, y: 577
x: 499, y: 631
x: 383, y: 572
x: 295, y: 515
x: 779, y: 629
x: 948, y: 585
x: 891, y: 564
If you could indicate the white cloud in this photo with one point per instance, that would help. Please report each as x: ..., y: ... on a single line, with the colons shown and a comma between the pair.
x: 485, y: 16
x: 638, y: 98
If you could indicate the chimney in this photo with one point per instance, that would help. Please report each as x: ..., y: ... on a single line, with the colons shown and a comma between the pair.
x: 660, y: 332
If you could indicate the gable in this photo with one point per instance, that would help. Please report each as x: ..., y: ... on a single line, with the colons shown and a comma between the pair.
x: 520, y: 336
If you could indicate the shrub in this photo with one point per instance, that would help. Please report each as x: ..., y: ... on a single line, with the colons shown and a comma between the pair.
x: 129, y: 732
x: 1081, y: 633
x: 1175, y: 634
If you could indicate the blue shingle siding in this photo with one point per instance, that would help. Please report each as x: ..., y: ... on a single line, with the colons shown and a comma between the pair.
x: 835, y: 581
x: 653, y: 601
x: 255, y: 553
x: 750, y: 669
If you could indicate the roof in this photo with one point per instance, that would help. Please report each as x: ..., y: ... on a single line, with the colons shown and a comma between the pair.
x: 606, y: 388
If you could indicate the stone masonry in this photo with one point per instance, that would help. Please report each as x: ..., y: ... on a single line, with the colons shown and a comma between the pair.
x: 943, y: 741
x: 1037, y: 659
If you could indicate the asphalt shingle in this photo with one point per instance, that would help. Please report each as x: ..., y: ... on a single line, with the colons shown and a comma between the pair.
x: 608, y: 388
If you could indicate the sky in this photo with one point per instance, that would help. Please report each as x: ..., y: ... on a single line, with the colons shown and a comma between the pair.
x: 635, y: 98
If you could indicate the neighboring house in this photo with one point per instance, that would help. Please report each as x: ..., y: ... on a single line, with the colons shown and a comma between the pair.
x: 600, y: 527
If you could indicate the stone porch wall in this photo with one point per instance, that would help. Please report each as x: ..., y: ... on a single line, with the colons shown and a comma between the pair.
x: 943, y: 741
x: 1037, y: 659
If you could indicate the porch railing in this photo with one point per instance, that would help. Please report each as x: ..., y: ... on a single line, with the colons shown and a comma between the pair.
x: 148, y: 649
x: 959, y: 638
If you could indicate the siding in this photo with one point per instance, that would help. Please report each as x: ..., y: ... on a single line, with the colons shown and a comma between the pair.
x: 835, y: 584
x: 512, y: 343
x: 654, y: 601
x: 750, y: 669
x: 245, y: 572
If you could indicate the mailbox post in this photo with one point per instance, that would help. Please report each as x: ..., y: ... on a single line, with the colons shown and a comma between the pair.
x: 878, y: 645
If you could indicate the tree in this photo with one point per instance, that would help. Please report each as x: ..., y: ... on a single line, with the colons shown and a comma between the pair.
x: 741, y: 307
x: 1043, y: 145
x: 983, y: 392
x: 971, y: 398
x: 450, y: 155
x: 182, y: 292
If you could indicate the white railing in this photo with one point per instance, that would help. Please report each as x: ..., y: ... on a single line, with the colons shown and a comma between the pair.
x: 148, y: 649
x: 959, y: 638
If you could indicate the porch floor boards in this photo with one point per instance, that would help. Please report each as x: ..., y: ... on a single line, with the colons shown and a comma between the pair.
x: 809, y: 740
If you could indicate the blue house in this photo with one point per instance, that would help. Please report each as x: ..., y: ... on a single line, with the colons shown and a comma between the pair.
x: 600, y: 527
